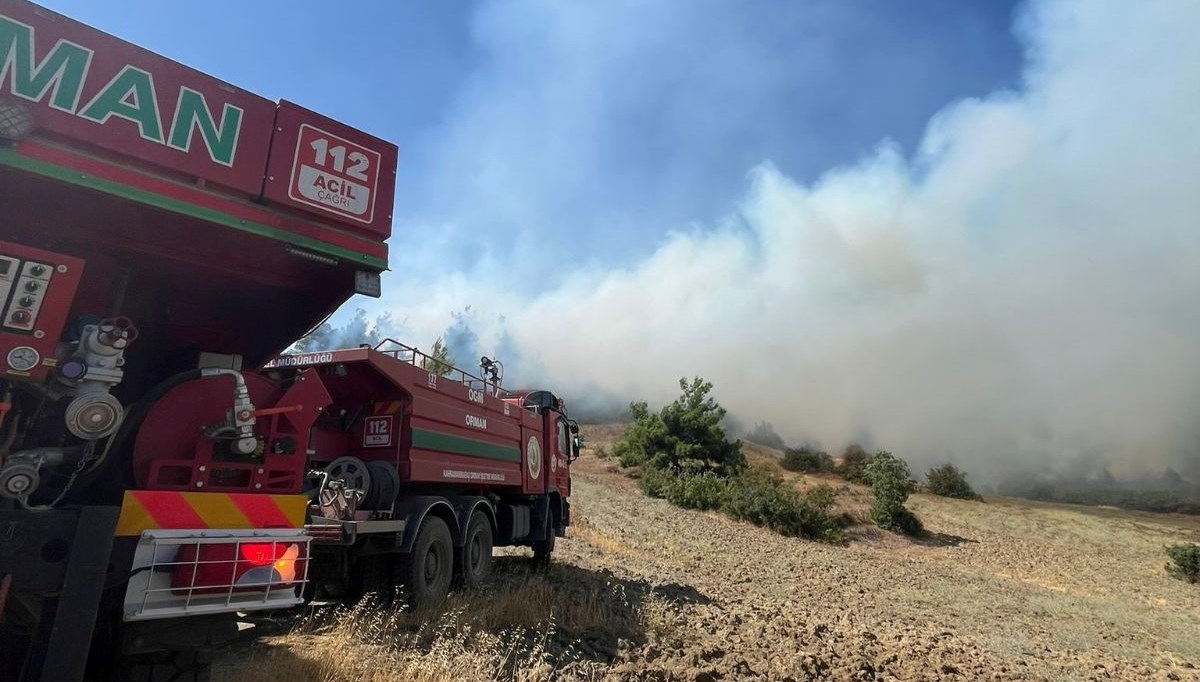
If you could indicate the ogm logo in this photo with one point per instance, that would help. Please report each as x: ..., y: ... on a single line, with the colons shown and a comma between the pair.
x: 533, y: 457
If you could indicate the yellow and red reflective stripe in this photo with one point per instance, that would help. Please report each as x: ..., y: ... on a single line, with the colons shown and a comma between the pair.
x: 160, y: 509
x: 266, y: 511
x: 388, y: 406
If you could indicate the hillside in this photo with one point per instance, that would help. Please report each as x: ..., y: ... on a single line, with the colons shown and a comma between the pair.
x: 1002, y: 590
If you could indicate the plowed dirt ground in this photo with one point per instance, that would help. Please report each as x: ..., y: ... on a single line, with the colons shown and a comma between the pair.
x: 999, y: 590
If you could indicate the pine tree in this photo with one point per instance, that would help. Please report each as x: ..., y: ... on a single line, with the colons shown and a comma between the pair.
x: 438, y: 361
x: 685, y: 435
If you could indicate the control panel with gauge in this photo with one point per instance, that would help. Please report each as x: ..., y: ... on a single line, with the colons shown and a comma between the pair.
x: 36, y: 290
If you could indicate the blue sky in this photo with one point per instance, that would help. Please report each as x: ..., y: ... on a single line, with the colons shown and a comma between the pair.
x: 541, y: 131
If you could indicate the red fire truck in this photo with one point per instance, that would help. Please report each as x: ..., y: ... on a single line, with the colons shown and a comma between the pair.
x: 164, y: 236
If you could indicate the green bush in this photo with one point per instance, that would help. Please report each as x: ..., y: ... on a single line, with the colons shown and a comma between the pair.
x: 755, y: 495
x: 807, y: 459
x: 764, y: 499
x: 697, y: 491
x: 684, y: 436
x: 821, y: 496
x: 891, y: 485
x: 1185, y: 562
x: 854, y: 464
x: 950, y: 481
x: 655, y: 482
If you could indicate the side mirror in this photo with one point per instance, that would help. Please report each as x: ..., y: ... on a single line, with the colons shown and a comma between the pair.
x: 576, y: 444
x: 574, y: 426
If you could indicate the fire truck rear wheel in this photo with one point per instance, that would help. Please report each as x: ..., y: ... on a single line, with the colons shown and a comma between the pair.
x: 426, y: 572
x: 476, y: 555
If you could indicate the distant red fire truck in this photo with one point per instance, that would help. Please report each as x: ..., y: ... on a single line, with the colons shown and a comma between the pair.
x: 163, y: 237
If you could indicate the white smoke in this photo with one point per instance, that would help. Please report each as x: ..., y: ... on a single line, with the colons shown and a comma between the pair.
x: 1028, y: 286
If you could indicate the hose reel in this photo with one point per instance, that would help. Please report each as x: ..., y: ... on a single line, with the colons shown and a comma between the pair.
x: 347, y: 484
x: 352, y: 472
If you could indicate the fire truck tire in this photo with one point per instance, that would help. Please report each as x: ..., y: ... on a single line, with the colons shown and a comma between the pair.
x: 166, y: 666
x: 426, y: 572
x: 476, y: 556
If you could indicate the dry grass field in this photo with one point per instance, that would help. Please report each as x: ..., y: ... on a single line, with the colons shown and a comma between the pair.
x: 999, y: 590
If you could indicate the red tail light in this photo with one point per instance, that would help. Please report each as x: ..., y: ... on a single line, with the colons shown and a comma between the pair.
x: 262, y: 554
x: 225, y: 567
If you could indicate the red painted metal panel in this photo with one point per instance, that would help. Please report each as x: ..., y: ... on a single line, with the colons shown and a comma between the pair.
x: 169, y: 454
x: 91, y: 88
x: 466, y: 419
x: 443, y: 431
x: 331, y: 170
x: 198, y: 200
x: 430, y: 466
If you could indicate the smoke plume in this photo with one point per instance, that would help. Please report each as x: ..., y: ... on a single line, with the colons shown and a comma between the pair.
x: 1024, y: 289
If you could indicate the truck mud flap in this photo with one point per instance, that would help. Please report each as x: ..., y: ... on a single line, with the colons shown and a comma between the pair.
x: 540, y: 527
x: 561, y: 529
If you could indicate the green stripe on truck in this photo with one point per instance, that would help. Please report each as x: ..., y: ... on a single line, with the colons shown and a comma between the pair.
x: 11, y: 158
x: 444, y: 442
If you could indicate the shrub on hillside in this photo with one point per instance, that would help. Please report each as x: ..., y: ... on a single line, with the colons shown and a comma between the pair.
x: 684, y: 437
x: 854, y: 463
x: 807, y: 459
x: 764, y: 499
x: 950, y: 481
x: 821, y: 496
x: 1185, y: 562
x: 891, y: 485
x: 697, y: 491
x: 654, y: 481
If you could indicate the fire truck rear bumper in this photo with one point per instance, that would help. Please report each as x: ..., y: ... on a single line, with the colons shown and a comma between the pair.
x: 206, y: 553
x: 195, y: 572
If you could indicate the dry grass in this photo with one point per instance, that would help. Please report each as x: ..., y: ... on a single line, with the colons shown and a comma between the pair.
x: 360, y: 648
x: 525, y: 626
x: 605, y: 543
x: 762, y: 457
